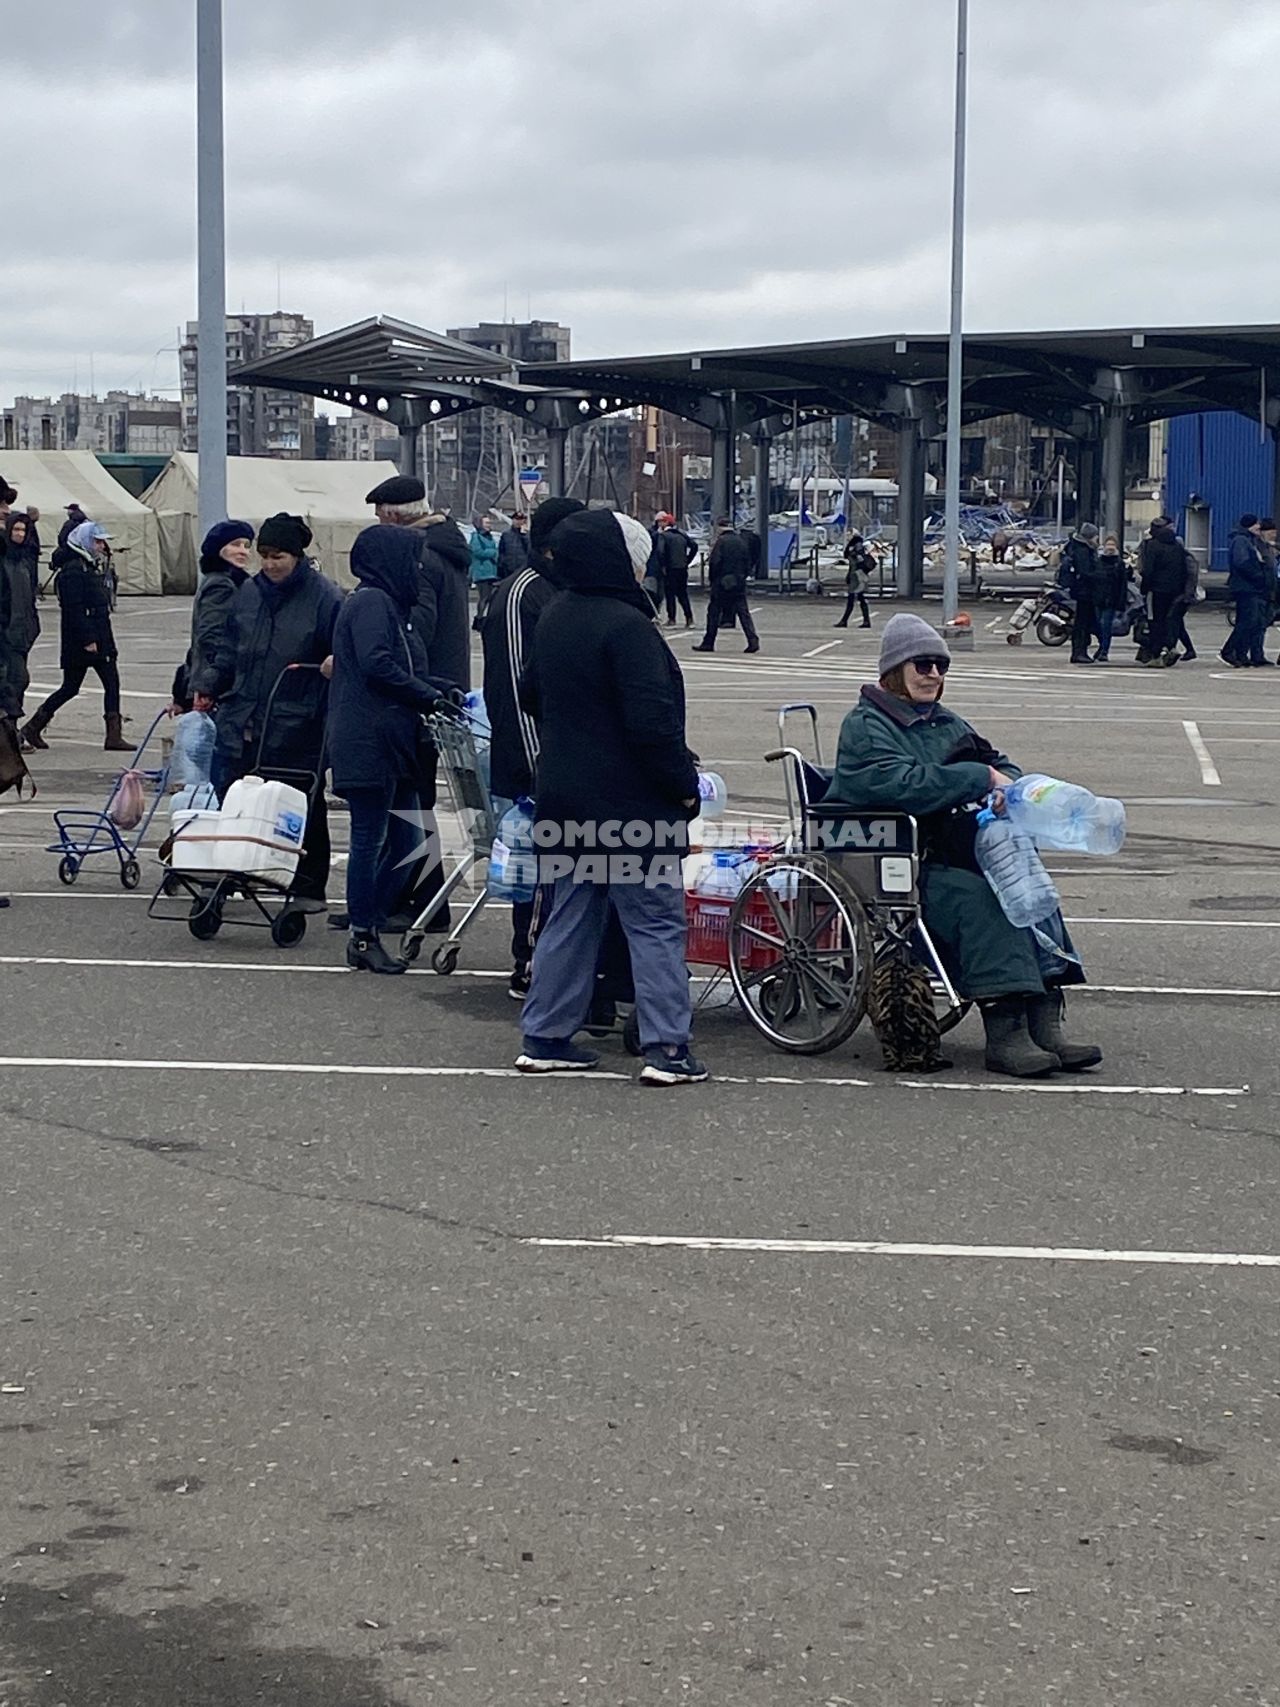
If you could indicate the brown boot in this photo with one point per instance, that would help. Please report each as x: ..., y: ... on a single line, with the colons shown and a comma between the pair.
x: 115, y: 741
x: 30, y: 733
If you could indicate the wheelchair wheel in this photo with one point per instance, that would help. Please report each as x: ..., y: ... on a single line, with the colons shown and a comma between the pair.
x: 800, y: 954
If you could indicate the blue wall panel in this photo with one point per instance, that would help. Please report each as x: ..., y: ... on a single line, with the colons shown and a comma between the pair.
x: 1219, y: 458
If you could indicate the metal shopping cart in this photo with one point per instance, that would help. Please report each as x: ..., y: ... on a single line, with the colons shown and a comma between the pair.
x: 463, y: 749
x: 84, y: 834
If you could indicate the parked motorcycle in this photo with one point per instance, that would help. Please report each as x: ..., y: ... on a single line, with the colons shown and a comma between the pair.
x: 1052, y: 613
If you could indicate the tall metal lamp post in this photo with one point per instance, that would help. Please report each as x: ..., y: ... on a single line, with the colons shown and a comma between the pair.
x: 955, y: 350
x: 211, y: 269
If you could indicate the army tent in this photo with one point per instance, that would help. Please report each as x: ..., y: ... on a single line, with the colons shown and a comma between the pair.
x: 52, y: 479
x: 329, y: 496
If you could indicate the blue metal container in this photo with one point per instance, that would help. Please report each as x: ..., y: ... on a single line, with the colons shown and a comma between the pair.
x: 1219, y: 466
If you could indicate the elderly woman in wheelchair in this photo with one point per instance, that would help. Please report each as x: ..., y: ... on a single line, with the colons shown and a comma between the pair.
x: 902, y: 751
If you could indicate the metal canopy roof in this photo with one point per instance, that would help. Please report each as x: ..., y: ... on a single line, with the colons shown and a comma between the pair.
x: 1048, y: 375
x: 410, y: 375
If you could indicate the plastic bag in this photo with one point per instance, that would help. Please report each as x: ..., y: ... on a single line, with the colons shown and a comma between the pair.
x: 193, y: 738
x: 128, y: 802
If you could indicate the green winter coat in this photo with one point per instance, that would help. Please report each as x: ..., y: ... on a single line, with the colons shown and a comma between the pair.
x: 902, y: 758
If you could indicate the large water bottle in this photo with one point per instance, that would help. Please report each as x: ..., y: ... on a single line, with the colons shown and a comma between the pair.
x: 712, y: 795
x: 513, y: 863
x: 722, y: 878
x: 1008, y: 860
x: 1058, y: 814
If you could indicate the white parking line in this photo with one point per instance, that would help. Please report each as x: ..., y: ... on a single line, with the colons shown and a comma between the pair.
x: 304, y: 969
x: 883, y: 1248
x: 1208, y: 770
x: 339, y: 1069
x: 818, y: 650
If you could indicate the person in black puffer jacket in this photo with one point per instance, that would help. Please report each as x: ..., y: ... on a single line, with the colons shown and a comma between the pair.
x: 88, y: 643
x: 380, y: 689
x: 729, y: 567
x: 616, y: 788
x: 284, y: 615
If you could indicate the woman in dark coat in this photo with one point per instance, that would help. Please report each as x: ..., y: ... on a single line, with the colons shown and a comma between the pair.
x: 224, y: 569
x: 902, y: 751
x: 22, y: 619
x: 380, y: 690
x: 284, y: 615
x: 84, y: 602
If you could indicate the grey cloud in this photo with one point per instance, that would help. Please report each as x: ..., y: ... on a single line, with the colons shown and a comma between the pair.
x: 696, y: 173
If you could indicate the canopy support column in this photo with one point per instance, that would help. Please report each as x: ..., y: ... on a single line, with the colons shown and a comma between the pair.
x: 1113, y: 434
x: 409, y: 460
x: 910, y: 510
x: 762, y: 498
x: 557, y: 439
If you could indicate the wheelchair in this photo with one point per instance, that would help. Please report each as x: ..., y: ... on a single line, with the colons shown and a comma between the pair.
x: 839, y: 897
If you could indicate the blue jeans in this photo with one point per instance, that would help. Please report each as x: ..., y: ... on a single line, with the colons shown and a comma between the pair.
x: 381, y: 844
x: 1245, y: 645
x: 1105, y: 623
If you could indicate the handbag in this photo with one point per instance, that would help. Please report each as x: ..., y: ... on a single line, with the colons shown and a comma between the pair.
x: 13, y: 767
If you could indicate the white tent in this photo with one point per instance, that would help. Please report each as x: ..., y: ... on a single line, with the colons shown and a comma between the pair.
x: 51, y: 479
x: 329, y: 496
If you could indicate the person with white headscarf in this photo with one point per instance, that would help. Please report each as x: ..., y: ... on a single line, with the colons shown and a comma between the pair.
x: 88, y: 643
x: 616, y: 787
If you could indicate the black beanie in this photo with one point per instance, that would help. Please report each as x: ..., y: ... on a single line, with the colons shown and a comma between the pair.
x: 284, y: 533
x: 1247, y: 521
x: 548, y: 516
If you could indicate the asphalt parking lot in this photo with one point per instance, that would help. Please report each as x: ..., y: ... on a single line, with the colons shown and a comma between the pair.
x: 345, y: 1367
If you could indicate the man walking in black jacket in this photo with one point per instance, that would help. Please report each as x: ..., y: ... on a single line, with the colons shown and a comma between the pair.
x: 617, y: 787
x: 676, y: 552
x: 730, y: 567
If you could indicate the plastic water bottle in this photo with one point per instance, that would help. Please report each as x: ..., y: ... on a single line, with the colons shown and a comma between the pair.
x: 1008, y: 860
x: 513, y: 864
x: 712, y: 795
x: 1063, y: 815
x: 722, y: 878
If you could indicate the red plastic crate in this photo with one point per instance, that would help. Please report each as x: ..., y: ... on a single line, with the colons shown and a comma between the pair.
x: 707, y: 921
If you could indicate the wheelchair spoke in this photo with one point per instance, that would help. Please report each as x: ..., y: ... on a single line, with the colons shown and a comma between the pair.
x: 757, y: 935
x: 784, y: 924
x: 812, y: 938
x: 828, y: 987
x: 750, y: 980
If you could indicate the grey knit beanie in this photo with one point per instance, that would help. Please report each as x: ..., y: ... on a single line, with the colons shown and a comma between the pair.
x: 907, y: 636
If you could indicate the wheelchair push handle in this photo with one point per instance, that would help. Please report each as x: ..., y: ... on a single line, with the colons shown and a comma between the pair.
x: 811, y: 711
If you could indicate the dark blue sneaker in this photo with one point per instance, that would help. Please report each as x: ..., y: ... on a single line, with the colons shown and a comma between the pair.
x: 663, y: 1069
x: 555, y: 1055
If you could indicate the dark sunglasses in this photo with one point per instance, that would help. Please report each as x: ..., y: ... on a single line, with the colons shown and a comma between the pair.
x: 926, y: 665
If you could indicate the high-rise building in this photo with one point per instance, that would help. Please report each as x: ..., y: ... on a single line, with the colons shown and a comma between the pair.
x: 259, y: 422
x: 471, y: 459
x: 356, y: 438
x: 122, y: 423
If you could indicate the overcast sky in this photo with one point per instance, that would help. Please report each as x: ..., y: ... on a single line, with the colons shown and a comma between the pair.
x: 657, y: 175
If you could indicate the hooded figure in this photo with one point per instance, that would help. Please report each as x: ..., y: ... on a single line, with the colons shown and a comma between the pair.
x: 224, y: 569
x: 87, y: 640
x: 507, y: 634
x: 608, y: 698
x: 380, y: 690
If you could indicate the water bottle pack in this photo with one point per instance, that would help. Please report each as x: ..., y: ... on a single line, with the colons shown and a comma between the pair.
x: 513, y: 861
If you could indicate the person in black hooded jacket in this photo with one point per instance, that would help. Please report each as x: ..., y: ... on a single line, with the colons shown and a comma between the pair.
x: 616, y: 788
x: 380, y: 689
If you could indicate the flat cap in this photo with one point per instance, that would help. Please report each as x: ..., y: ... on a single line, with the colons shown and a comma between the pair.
x: 400, y: 489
